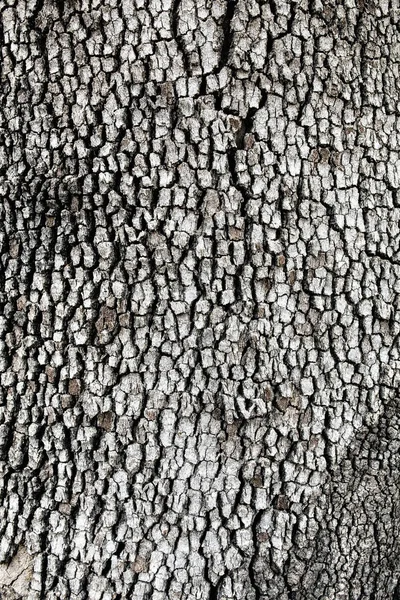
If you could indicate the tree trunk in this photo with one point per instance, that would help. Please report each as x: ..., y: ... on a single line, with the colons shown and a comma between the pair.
x: 200, y: 299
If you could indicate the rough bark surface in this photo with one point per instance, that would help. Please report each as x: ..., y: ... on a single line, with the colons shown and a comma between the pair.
x: 199, y: 328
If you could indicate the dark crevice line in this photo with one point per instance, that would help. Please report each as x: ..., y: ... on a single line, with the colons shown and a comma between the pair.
x: 227, y: 32
x: 178, y: 38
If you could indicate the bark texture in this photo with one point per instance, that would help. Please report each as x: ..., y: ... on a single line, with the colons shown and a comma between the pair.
x: 200, y: 277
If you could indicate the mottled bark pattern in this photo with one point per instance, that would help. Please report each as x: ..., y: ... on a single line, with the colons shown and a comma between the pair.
x: 200, y: 277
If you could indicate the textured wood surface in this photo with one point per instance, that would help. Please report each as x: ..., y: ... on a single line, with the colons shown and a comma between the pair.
x: 199, y: 299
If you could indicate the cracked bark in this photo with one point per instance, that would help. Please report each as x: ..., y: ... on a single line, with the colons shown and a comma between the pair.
x: 199, y: 289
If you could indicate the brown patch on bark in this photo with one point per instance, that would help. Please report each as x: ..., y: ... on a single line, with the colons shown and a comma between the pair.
x: 281, y: 260
x: 268, y: 394
x: 257, y: 482
x: 106, y: 420
x: 140, y: 565
x: 107, y: 319
x: 282, y: 403
x: 15, y: 577
x: 21, y: 303
x: 235, y: 233
x: 51, y: 373
x: 282, y: 503
x: 262, y: 536
x: 74, y: 387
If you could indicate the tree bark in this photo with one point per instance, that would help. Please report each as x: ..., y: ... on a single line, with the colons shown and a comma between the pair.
x: 200, y: 282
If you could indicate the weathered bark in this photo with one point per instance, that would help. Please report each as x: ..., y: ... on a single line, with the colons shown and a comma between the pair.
x: 199, y: 299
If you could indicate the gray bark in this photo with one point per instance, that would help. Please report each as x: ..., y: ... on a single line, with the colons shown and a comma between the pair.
x: 199, y: 324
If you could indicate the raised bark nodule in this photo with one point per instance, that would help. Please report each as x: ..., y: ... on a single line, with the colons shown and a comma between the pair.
x: 199, y: 299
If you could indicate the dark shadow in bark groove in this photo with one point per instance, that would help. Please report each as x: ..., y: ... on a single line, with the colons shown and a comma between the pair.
x: 227, y: 32
x: 396, y: 593
x: 213, y: 595
x: 178, y: 38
